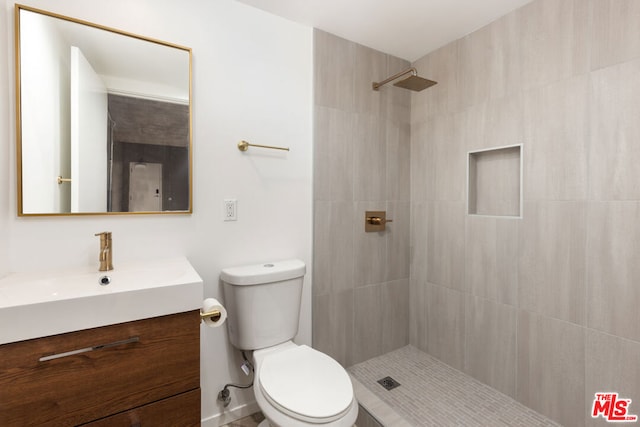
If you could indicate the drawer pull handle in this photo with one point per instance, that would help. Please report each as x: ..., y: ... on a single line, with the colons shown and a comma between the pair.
x: 87, y: 349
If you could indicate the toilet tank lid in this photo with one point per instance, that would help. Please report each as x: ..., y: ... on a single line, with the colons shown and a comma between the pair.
x: 263, y: 273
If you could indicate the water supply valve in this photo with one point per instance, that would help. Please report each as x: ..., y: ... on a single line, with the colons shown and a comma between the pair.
x: 224, y: 396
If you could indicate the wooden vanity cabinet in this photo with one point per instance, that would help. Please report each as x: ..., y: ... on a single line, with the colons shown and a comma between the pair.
x: 141, y: 373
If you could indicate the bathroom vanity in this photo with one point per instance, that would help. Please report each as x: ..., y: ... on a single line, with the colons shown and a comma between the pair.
x: 145, y: 372
x: 138, y: 366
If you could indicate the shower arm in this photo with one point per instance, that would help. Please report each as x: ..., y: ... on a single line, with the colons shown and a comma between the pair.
x: 377, y: 85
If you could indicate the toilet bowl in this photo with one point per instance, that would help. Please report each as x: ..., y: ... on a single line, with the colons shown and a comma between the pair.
x: 299, y: 386
x: 294, y: 385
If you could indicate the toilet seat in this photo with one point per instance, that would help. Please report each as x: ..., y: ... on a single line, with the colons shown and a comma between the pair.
x: 306, y: 384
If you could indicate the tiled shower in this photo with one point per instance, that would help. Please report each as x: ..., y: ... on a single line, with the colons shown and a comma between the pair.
x: 543, y: 308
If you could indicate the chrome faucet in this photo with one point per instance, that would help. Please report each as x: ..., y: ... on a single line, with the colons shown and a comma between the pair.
x: 106, y: 252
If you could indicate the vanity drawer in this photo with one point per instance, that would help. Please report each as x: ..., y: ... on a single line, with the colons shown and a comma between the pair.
x: 99, y: 372
x: 182, y: 410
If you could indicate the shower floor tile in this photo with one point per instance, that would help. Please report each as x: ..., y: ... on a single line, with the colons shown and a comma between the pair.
x: 433, y: 393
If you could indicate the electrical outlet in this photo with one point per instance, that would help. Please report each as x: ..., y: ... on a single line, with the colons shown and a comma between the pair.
x: 230, y: 210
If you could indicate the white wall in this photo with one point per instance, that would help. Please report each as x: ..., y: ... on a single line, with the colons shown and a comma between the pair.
x: 252, y: 80
x: 45, y: 136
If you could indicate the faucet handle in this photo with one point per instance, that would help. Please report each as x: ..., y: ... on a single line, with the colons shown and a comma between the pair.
x: 104, y: 235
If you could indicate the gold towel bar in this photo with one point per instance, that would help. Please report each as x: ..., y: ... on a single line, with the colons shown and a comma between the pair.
x: 61, y: 179
x: 213, y: 315
x: 244, y: 146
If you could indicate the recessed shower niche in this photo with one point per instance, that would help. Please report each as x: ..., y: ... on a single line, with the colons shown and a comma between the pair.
x: 494, y: 182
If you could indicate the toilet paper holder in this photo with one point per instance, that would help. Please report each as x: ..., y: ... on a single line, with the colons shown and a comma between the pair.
x: 214, y: 315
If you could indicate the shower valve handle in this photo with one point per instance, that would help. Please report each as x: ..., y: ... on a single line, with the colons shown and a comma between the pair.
x: 376, y: 220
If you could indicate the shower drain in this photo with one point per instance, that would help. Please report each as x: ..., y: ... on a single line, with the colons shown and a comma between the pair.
x: 388, y: 383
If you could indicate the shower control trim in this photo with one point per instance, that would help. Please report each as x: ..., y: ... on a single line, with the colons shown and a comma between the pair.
x: 375, y: 221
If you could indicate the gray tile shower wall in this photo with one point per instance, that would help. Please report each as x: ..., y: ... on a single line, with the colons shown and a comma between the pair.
x: 361, y: 162
x: 543, y: 308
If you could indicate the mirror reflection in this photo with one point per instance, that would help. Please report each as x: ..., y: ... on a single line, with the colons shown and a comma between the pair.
x: 103, y: 119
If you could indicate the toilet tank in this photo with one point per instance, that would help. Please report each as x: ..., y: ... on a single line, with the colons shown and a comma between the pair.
x: 263, y: 303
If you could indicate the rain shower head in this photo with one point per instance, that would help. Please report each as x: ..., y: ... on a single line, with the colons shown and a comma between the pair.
x: 413, y: 82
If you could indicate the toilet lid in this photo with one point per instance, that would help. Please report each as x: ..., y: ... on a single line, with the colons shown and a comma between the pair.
x: 306, y: 384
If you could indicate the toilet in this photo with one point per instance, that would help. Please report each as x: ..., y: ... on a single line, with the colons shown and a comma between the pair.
x: 294, y: 385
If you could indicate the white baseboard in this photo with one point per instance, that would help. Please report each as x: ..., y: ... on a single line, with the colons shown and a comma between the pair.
x: 230, y: 415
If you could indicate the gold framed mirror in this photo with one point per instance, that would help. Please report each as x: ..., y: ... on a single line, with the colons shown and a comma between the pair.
x: 103, y: 119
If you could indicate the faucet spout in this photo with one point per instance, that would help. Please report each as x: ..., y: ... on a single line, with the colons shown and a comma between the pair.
x: 106, y: 254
